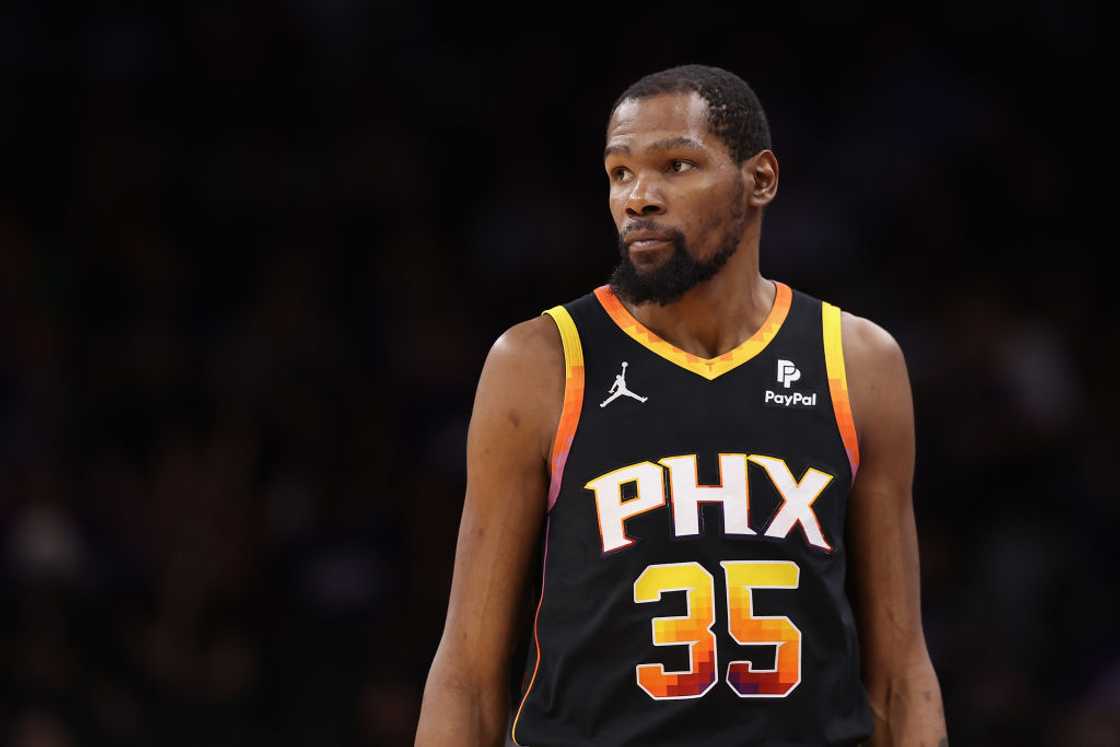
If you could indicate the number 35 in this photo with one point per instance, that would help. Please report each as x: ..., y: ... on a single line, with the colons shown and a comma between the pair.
x: 695, y: 629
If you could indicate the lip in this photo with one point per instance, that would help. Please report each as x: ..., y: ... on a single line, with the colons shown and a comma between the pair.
x: 633, y: 237
x: 643, y: 244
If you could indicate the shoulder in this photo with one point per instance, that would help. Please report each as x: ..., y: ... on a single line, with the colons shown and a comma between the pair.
x: 867, y: 340
x: 877, y: 376
x: 523, y: 377
x: 532, y: 344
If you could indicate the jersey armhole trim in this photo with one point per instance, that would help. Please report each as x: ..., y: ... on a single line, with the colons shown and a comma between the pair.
x: 573, y: 399
x: 536, y: 637
x: 838, y: 382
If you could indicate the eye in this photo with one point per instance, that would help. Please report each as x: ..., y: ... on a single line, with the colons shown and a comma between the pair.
x: 617, y: 173
x: 675, y: 161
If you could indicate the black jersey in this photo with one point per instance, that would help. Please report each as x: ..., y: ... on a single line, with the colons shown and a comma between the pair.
x: 693, y: 581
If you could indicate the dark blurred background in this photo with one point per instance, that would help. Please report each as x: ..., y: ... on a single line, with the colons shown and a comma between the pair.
x: 252, y: 259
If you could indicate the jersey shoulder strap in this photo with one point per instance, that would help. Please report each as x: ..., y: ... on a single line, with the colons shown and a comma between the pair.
x: 838, y: 382
x: 573, y: 395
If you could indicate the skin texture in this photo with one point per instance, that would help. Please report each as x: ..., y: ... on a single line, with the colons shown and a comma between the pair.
x: 684, y: 190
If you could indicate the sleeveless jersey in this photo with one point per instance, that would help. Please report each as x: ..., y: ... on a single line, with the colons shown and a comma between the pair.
x: 693, y: 581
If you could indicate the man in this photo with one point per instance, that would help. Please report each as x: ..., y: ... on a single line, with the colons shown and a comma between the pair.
x: 699, y: 534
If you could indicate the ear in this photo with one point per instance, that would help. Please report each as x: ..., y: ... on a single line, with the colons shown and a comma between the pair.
x: 760, y: 176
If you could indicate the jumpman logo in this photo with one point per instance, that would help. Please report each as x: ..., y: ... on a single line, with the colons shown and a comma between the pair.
x: 619, y: 388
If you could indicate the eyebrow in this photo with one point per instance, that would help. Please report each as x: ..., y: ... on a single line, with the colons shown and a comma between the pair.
x: 667, y: 144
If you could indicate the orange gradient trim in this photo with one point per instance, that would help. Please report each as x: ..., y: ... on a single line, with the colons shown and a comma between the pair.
x: 536, y: 637
x: 573, y: 398
x: 709, y: 368
x: 838, y: 383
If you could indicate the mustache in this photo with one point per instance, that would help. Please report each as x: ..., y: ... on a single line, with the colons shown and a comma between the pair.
x: 676, y: 238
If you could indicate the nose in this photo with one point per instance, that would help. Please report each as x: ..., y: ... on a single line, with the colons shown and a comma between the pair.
x: 645, y: 198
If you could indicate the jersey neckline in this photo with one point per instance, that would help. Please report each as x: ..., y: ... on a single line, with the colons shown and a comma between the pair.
x: 709, y: 368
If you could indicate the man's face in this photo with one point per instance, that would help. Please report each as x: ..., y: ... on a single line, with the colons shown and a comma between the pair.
x: 669, y: 176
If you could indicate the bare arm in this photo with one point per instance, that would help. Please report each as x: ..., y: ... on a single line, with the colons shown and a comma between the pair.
x: 902, y: 686
x: 516, y: 409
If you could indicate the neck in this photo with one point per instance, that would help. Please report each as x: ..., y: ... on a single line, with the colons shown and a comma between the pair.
x: 718, y: 314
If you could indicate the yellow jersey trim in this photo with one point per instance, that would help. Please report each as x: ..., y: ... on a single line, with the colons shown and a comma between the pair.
x: 573, y: 397
x: 838, y: 382
x: 709, y: 368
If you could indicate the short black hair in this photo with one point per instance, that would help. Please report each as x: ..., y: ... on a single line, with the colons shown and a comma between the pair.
x: 735, y: 114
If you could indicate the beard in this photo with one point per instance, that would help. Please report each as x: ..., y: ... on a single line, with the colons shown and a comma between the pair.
x: 682, y: 271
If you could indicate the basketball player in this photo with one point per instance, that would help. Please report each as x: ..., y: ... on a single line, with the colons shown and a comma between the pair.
x: 711, y: 461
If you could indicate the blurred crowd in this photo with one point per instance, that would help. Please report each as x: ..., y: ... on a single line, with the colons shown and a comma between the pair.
x: 251, y: 262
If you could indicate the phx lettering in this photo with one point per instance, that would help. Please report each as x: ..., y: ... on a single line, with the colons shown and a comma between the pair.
x: 687, y: 494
